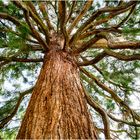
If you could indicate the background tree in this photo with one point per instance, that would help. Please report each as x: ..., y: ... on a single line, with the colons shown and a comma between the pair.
x: 99, y: 39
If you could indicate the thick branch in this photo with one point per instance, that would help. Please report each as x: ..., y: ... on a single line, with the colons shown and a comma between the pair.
x: 93, y: 61
x: 122, y: 56
x: 10, y: 18
x: 42, y: 6
x: 35, y: 47
x: 35, y: 33
x: 100, y: 30
x: 102, y: 112
x: 124, y: 45
x: 38, y: 20
x: 86, y: 45
x: 96, y: 31
x: 62, y: 19
x: 79, y: 17
x: 102, y: 44
x: 62, y: 13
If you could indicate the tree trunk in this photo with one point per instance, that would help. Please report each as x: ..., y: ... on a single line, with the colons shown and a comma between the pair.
x: 57, y: 108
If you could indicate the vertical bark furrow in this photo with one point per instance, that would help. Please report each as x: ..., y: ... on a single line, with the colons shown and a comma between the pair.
x: 57, y: 108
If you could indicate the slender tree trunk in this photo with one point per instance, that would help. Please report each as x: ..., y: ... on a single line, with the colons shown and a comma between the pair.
x: 57, y: 109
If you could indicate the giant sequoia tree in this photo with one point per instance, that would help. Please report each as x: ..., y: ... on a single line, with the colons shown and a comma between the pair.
x: 88, y: 57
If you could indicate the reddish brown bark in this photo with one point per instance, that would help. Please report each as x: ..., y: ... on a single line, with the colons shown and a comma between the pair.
x: 58, y: 108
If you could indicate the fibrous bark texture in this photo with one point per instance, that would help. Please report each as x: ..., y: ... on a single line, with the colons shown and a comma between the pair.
x: 57, y: 108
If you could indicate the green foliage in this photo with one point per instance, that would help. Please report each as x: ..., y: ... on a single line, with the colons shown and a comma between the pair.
x: 118, y: 75
x: 110, y: 105
x: 11, y: 10
x: 8, y: 134
x: 24, y: 31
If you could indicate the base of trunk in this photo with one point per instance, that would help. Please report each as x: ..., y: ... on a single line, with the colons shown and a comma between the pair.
x: 58, y: 108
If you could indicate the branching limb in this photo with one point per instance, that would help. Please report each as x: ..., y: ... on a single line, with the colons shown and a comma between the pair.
x: 15, y: 21
x: 62, y: 13
x: 117, y: 131
x: 62, y: 18
x: 112, y: 93
x: 18, y: 34
x: 96, y: 31
x: 107, y: 18
x: 33, y: 13
x: 71, y: 11
x: 122, y: 56
x: 35, y: 33
x: 30, y: 4
x: 35, y: 47
x: 127, y: 17
x: 88, y: 23
x: 100, y: 84
x: 136, y: 129
x: 28, y: 11
x: 112, y: 82
x: 93, y: 61
x: 90, y: 82
x: 122, y: 121
x: 96, y: 107
x: 31, y: 47
x: 4, y: 121
x: 14, y: 59
x: 124, y: 45
x: 102, y: 112
x: 10, y: 18
x: 42, y: 6
x: 4, y: 60
x: 102, y: 44
x: 86, y: 45
x: 79, y: 17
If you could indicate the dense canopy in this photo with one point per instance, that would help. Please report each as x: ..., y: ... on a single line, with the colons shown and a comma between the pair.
x: 104, y: 38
